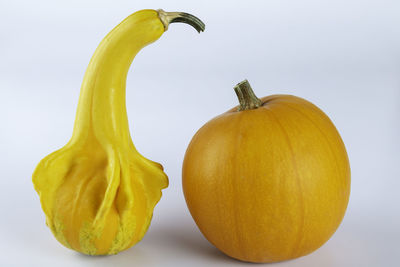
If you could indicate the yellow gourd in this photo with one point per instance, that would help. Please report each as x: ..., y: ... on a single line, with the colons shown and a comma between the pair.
x: 97, y: 192
x: 269, y: 180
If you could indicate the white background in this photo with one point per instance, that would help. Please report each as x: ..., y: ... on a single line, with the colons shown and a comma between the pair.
x: 342, y: 55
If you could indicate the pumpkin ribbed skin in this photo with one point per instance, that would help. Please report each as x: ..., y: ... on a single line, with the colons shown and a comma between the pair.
x: 268, y: 184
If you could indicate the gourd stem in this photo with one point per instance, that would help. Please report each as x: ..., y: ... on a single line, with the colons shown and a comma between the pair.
x: 172, y: 17
x: 247, y: 98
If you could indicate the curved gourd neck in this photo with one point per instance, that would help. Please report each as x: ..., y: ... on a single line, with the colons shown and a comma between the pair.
x: 102, y: 109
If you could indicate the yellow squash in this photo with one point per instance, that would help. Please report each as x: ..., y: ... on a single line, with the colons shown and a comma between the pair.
x: 269, y: 180
x: 97, y: 192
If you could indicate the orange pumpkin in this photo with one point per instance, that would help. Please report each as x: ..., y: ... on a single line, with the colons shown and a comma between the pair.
x: 269, y: 180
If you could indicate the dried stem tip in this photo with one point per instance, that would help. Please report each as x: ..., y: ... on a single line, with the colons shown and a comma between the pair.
x: 172, y: 17
x: 246, y: 96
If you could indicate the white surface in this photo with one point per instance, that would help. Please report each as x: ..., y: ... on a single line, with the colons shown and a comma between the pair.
x: 342, y: 55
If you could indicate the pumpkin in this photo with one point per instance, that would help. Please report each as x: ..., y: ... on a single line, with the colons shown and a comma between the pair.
x: 268, y: 180
x: 98, y: 192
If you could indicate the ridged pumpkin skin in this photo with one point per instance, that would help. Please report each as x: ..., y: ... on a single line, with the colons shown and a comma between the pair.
x: 268, y: 184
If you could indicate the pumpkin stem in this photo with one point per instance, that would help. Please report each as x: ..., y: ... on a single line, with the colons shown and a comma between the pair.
x: 172, y: 17
x: 247, y: 98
